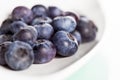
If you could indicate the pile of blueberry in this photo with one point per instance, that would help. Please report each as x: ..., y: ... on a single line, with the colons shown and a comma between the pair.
x: 37, y: 35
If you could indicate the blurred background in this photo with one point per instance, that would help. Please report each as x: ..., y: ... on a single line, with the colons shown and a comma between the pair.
x: 105, y: 65
x: 95, y: 69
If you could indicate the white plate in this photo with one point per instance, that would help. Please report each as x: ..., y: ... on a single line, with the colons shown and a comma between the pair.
x: 90, y: 8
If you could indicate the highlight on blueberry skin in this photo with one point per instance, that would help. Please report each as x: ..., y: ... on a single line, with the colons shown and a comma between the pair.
x: 22, y: 13
x: 17, y: 25
x: 45, y: 31
x: 39, y: 11
x: 87, y: 29
x: 44, y: 51
x: 33, y: 30
x: 19, y: 56
x: 65, y: 43
x: 65, y: 23
x: 41, y: 20
x: 3, y: 49
x: 72, y: 14
x: 28, y: 34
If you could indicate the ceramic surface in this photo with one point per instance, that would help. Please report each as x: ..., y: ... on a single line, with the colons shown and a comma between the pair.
x: 90, y: 8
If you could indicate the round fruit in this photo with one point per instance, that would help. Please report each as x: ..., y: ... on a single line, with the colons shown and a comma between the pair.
x: 45, y: 31
x: 17, y: 25
x: 65, y: 43
x: 5, y: 27
x: 44, y: 51
x: 65, y: 23
x: 19, y: 56
x: 87, y: 29
x: 28, y: 34
x: 22, y: 13
x: 54, y: 11
x: 39, y: 11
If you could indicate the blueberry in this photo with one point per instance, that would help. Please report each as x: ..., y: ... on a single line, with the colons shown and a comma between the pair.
x: 66, y: 23
x: 19, y: 56
x: 28, y: 34
x: 90, y: 22
x: 45, y: 31
x: 3, y: 49
x: 41, y: 20
x: 32, y: 29
x: 77, y: 35
x: 87, y: 29
x: 39, y: 11
x: 5, y: 27
x: 93, y: 25
x: 65, y: 43
x: 74, y: 15
x: 54, y: 12
x: 44, y: 51
x: 22, y: 13
x: 5, y: 37
x: 17, y: 25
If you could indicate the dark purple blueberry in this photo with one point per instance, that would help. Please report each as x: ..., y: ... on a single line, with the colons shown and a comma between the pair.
x: 39, y: 11
x: 45, y: 31
x: 44, y: 51
x: 74, y: 15
x: 54, y: 11
x: 3, y: 49
x: 65, y: 43
x: 5, y: 27
x: 41, y: 20
x: 93, y: 25
x: 28, y: 34
x: 32, y: 29
x: 77, y: 35
x: 5, y: 37
x: 19, y: 56
x: 65, y: 23
x: 22, y: 13
x: 17, y: 25
x: 87, y: 29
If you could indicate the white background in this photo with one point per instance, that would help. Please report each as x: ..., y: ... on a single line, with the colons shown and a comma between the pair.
x: 111, y: 38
